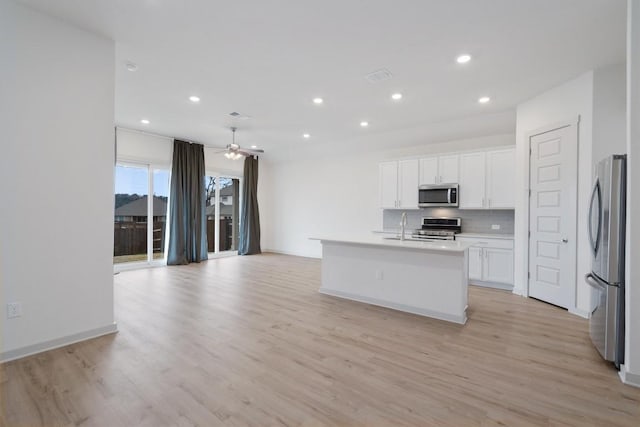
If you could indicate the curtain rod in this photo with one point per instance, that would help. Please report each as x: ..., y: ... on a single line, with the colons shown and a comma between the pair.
x: 144, y: 132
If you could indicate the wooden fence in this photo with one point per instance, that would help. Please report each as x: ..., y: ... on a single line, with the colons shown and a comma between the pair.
x: 130, y: 238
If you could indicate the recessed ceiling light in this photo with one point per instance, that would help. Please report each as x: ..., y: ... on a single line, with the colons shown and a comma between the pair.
x: 145, y: 121
x: 396, y: 96
x: 364, y: 124
x: 306, y: 135
x: 194, y: 98
x: 463, y: 59
x: 254, y: 146
x: 318, y: 101
x: 131, y: 66
x: 484, y: 99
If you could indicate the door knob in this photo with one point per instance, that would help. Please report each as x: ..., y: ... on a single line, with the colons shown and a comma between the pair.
x: 565, y: 240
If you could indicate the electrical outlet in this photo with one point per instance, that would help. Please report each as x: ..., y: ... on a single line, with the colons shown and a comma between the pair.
x: 14, y: 309
x: 495, y: 226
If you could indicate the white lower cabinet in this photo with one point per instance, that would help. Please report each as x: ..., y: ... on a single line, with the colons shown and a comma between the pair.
x: 498, y: 265
x: 475, y: 263
x: 490, y: 261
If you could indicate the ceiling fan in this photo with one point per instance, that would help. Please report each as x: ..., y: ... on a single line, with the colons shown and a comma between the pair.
x: 235, y: 152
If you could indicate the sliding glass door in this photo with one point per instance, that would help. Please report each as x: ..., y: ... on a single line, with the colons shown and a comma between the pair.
x: 140, y: 221
x: 222, y: 197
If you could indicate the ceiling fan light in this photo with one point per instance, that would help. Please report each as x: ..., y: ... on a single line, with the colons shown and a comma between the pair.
x: 237, y: 156
x: 228, y: 155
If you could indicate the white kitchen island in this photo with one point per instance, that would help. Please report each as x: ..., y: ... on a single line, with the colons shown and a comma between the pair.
x: 425, y: 278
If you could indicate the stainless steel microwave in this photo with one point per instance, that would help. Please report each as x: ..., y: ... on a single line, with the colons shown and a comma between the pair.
x: 440, y: 195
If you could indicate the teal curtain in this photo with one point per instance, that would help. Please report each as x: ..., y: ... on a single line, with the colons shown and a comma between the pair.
x: 250, y: 216
x: 187, y: 215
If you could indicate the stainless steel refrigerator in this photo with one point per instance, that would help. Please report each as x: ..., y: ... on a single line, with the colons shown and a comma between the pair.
x: 607, y: 240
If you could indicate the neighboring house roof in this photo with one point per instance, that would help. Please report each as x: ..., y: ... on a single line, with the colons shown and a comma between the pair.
x: 226, y: 191
x: 225, y: 210
x: 139, y: 207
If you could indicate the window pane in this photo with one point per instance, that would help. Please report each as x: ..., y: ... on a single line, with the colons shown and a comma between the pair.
x: 229, y: 192
x: 160, y: 198
x: 210, y: 186
x: 130, y: 221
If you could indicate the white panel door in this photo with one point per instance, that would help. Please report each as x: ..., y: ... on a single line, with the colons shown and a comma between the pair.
x: 472, y: 180
x: 501, y: 179
x: 388, y: 185
x: 429, y: 171
x: 408, y: 175
x: 448, y: 169
x: 475, y: 263
x: 552, y: 216
x: 498, y: 265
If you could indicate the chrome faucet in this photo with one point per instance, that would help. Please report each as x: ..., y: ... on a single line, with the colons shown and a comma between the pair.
x: 403, y: 223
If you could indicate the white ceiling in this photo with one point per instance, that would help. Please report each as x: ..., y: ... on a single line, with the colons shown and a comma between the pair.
x: 269, y: 58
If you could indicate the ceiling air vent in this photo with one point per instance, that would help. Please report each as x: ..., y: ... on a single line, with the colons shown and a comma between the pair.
x: 379, y: 75
x: 237, y: 115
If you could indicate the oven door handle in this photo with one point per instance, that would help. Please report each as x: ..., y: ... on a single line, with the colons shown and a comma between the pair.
x: 594, y: 282
x: 449, y: 195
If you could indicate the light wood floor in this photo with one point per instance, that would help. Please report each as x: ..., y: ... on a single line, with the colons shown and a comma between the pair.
x: 250, y: 341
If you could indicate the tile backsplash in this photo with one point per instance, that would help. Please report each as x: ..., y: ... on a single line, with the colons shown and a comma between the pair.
x: 473, y: 221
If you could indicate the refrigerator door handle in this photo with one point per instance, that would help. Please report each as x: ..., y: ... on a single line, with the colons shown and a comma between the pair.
x: 594, y: 282
x: 595, y: 242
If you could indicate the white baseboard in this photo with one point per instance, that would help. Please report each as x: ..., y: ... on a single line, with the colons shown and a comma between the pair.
x: 492, y: 285
x: 401, y: 307
x: 580, y: 312
x: 29, y: 350
x: 520, y: 291
x: 629, y: 378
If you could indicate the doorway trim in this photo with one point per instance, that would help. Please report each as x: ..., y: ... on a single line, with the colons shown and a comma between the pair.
x: 574, y: 121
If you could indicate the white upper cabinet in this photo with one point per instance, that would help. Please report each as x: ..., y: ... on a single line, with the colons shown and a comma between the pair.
x: 448, y: 169
x: 388, y: 185
x: 501, y: 177
x: 439, y: 170
x: 429, y: 170
x: 398, y: 184
x: 408, y: 175
x: 472, y: 180
x: 488, y: 179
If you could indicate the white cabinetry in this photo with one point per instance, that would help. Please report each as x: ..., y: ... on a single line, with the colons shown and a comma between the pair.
x: 388, y: 185
x: 439, y: 170
x: 475, y: 263
x: 490, y: 261
x: 501, y: 177
x: 448, y: 169
x: 399, y: 184
x: 471, y: 182
x: 487, y: 179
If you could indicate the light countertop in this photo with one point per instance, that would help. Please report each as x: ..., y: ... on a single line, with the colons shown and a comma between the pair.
x: 486, y: 235
x: 469, y: 235
x: 378, y: 240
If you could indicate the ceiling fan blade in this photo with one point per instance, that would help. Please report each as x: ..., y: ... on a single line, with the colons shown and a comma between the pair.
x: 250, y: 151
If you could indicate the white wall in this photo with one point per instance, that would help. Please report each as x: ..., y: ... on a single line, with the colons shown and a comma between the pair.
x: 56, y: 181
x: 315, y: 196
x: 140, y: 147
x: 143, y: 147
x: 562, y: 103
x: 609, y: 111
x: 630, y: 372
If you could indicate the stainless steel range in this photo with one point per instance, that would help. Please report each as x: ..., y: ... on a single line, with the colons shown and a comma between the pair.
x: 434, y: 228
